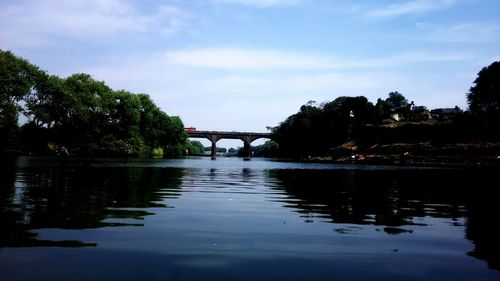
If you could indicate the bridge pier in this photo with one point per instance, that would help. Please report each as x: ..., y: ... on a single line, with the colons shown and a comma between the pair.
x: 213, y: 151
x: 247, y: 152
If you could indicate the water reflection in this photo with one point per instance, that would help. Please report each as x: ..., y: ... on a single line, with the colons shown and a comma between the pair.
x: 483, y: 224
x: 395, y: 199
x: 388, y: 198
x: 232, y: 215
x: 69, y: 196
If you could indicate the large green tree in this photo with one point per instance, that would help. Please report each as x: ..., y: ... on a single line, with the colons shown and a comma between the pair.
x: 80, y: 113
x: 126, y: 115
x: 17, y: 79
x: 157, y: 128
x: 268, y: 149
x: 84, y: 115
x: 194, y: 147
x: 49, y: 104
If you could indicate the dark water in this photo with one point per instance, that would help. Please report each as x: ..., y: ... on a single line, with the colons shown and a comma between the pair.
x: 196, y: 219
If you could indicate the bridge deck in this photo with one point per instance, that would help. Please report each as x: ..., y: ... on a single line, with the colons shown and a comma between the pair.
x: 227, y: 135
x: 214, y: 136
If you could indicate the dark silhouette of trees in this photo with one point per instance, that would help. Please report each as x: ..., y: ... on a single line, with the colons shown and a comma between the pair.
x: 484, y: 97
x: 348, y: 123
x: 316, y: 129
x: 301, y: 133
x: 268, y: 149
x: 395, y: 103
x: 398, y: 103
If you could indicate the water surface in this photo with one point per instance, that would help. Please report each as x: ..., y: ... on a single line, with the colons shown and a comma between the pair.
x: 197, y: 219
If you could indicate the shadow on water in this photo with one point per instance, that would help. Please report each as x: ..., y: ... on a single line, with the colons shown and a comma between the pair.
x: 73, y: 196
x: 396, y: 199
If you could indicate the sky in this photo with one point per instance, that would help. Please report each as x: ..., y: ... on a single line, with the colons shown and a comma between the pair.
x: 243, y: 65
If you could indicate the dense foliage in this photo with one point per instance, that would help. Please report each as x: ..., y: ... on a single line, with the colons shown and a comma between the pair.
x: 484, y: 96
x: 318, y: 130
x: 268, y: 149
x: 79, y: 115
x: 315, y: 129
x: 195, y: 147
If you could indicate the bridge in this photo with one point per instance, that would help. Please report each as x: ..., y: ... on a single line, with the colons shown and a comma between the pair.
x: 215, y: 136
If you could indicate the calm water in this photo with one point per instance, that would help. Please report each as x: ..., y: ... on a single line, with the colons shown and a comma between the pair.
x: 197, y: 219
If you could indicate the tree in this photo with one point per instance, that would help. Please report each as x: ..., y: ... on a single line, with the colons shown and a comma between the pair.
x: 126, y: 114
x: 268, y: 149
x: 48, y: 104
x: 175, y: 133
x: 344, y: 116
x: 80, y: 113
x: 149, y: 120
x: 484, y: 97
x: 397, y: 103
x: 300, y: 134
x: 195, y: 147
x: 382, y: 110
x: 314, y: 130
x: 17, y: 79
x: 84, y: 109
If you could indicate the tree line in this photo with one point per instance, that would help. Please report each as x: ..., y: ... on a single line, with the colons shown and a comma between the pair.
x: 80, y: 115
x: 317, y: 130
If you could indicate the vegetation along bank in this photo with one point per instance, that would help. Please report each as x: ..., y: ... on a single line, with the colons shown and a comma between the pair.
x: 78, y: 115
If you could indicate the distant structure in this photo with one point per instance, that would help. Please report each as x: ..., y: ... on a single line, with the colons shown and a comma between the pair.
x: 215, y: 136
x: 420, y: 113
x: 442, y: 114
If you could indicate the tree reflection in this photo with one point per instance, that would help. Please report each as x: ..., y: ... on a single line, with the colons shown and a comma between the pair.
x: 395, y: 198
x: 482, y: 224
x: 77, y: 197
x: 389, y: 198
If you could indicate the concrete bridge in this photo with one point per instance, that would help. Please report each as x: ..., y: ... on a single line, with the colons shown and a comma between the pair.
x: 215, y: 136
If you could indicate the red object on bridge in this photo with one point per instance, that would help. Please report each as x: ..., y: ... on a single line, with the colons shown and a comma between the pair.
x: 190, y: 129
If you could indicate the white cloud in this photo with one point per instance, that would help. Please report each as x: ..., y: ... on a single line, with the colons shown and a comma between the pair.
x: 411, y: 57
x: 204, y: 98
x: 259, y: 59
x: 409, y: 7
x: 170, y: 20
x: 244, y: 59
x: 77, y: 16
x: 259, y: 3
x: 318, y: 86
x: 45, y: 21
x: 465, y: 32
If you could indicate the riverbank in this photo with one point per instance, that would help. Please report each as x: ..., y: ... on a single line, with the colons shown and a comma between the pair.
x: 421, y: 154
x: 415, y: 154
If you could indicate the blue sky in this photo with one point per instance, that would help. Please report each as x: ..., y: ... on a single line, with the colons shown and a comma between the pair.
x: 247, y: 64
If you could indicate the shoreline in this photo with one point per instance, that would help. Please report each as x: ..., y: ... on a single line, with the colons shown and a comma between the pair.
x: 418, y: 155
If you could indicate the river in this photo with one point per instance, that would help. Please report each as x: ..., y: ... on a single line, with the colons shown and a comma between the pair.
x: 229, y: 219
